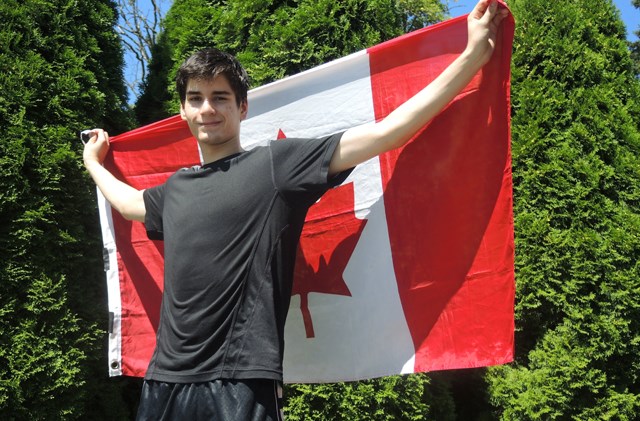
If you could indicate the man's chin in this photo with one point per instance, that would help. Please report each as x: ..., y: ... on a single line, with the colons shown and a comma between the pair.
x: 207, y: 138
x: 212, y: 140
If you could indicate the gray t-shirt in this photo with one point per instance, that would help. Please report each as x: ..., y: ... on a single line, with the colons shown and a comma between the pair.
x: 231, y: 230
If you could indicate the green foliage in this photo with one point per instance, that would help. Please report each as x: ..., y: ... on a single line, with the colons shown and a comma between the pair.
x: 576, y: 161
x: 152, y: 104
x: 59, y: 67
x: 273, y: 38
x: 416, y: 14
x: 635, y: 46
x: 392, y: 398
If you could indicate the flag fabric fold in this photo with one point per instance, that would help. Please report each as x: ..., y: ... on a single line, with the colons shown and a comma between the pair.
x: 407, y: 266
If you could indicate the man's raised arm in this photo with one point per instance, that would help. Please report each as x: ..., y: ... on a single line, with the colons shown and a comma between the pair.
x: 122, y: 197
x: 361, y: 143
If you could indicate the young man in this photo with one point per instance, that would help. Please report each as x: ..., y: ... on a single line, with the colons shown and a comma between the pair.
x: 231, y: 228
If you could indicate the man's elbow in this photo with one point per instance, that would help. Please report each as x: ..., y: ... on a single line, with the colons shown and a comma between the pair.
x: 132, y: 210
x: 132, y: 213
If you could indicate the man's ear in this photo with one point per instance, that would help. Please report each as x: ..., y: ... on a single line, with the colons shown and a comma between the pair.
x: 183, y: 115
x: 244, y: 109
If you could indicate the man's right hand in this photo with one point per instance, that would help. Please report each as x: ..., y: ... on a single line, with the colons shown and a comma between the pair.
x: 122, y: 197
x: 96, y: 148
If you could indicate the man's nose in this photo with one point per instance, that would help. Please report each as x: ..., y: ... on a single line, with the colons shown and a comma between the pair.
x: 207, y: 107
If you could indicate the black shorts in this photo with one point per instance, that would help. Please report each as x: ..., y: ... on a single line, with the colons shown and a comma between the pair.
x: 220, y: 400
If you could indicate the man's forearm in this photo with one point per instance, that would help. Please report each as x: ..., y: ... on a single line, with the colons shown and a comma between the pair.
x: 364, y: 142
x: 125, y: 199
x: 406, y: 120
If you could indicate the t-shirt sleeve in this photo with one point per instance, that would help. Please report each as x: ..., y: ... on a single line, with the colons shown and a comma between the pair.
x: 154, y: 203
x: 301, y: 167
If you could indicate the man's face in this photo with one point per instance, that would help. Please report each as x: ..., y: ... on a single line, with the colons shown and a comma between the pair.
x: 211, y: 111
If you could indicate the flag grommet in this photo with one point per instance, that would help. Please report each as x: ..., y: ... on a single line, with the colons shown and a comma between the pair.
x: 115, y: 365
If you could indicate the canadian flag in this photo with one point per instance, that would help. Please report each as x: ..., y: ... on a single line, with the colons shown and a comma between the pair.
x: 407, y: 266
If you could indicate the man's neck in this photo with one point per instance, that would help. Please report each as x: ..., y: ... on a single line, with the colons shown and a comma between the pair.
x: 212, y: 153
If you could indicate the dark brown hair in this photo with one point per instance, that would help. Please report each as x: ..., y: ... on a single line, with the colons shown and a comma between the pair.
x: 209, y: 63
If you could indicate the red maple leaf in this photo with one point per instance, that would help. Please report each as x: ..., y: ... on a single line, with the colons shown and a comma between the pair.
x: 329, y: 236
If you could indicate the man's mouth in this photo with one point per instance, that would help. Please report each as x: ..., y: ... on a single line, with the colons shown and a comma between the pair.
x: 209, y: 123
